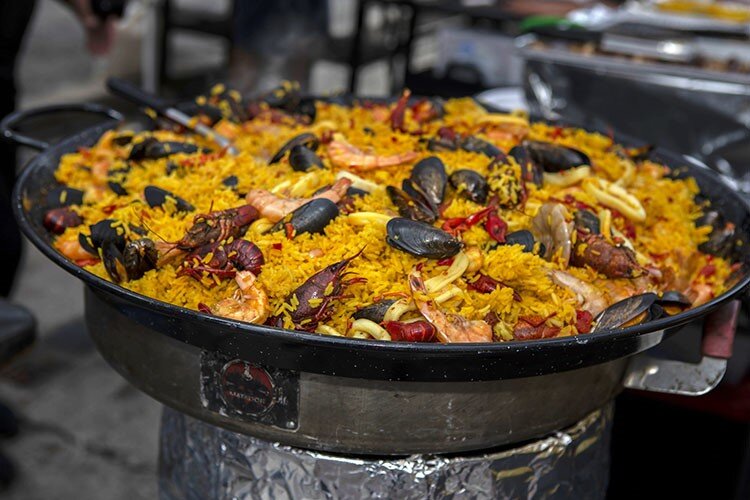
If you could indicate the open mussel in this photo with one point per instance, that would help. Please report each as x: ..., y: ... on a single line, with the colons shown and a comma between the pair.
x: 101, y: 234
x: 470, y: 184
x: 152, y: 149
x: 721, y: 241
x: 139, y: 257
x: 57, y: 220
x: 63, y: 196
x: 415, y: 208
x: 287, y: 98
x: 374, y: 312
x: 308, y: 140
x: 157, y: 197
x: 421, y: 239
x: 628, y: 312
x: 312, y: 217
x: 476, y: 145
x: 673, y: 302
x: 555, y: 158
x: 587, y: 221
x: 530, y: 171
x: 230, y: 182
x: 523, y: 238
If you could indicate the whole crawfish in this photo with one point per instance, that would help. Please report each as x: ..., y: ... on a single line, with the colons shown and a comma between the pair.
x: 326, y: 285
x: 218, y: 226
x: 226, y: 260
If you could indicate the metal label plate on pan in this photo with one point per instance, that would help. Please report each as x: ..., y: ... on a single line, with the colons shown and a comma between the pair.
x: 252, y: 392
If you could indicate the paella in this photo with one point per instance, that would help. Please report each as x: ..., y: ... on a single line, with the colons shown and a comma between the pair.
x: 415, y: 220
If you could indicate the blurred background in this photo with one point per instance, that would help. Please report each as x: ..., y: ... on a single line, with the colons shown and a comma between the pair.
x: 675, y: 74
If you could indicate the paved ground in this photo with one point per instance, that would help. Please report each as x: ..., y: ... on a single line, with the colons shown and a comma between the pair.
x: 85, y: 432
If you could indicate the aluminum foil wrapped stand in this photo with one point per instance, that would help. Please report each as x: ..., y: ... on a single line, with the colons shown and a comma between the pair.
x: 201, y: 461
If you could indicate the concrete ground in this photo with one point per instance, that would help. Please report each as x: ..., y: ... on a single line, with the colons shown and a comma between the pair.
x: 85, y: 432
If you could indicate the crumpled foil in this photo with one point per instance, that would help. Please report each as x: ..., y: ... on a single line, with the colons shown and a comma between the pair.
x: 692, y: 111
x: 201, y: 461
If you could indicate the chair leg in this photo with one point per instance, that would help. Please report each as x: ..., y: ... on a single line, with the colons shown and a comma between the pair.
x: 354, y: 55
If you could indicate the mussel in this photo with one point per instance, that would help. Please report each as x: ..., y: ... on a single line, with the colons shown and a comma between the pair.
x: 312, y: 217
x: 152, y: 149
x: 58, y: 220
x: 117, y: 188
x: 429, y: 176
x: 530, y: 171
x: 287, y: 98
x: 476, y: 145
x: 104, y: 232
x: 309, y: 140
x: 588, y: 221
x: 555, y: 158
x: 352, y: 192
x: 421, y: 239
x: 722, y: 239
x: 157, y: 197
x: 123, y: 139
x: 302, y: 158
x: 63, y: 196
x: 673, y: 302
x: 470, y: 184
x: 627, y: 312
x: 410, y: 207
x: 374, y: 312
x: 523, y: 238
x: 230, y: 182
x: 139, y: 257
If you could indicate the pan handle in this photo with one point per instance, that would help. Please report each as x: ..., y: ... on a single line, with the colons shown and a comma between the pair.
x: 9, y: 124
x: 676, y: 377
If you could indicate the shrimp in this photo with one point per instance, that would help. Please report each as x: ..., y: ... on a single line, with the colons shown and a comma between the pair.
x: 275, y: 208
x: 551, y: 228
x: 73, y: 250
x: 345, y: 155
x: 504, y: 127
x: 589, y: 298
x: 249, y: 303
x: 449, y: 327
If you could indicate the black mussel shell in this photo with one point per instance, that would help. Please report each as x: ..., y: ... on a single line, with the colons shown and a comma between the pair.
x: 655, y: 312
x: 307, y: 139
x: 306, y: 108
x: 140, y: 231
x: 585, y: 219
x: 421, y: 239
x: 409, y: 207
x: 673, y: 302
x: 722, y: 239
x: 312, y: 217
x: 530, y: 171
x: 117, y: 188
x: 156, y: 197
x: 57, y: 220
x: 102, y: 233
x: 476, y: 145
x: 139, y: 257
x: 113, y: 262
x: 352, y: 191
x: 302, y: 159
x: 173, y: 167
x: 555, y: 158
x: 470, y: 184
x: 122, y: 139
x: 429, y: 175
x: 64, y: 196
x: 152, y: 149
x: 420, y: 197
x: 523, y: 238
x: 231, y: 181
x: 436, y: 144
x: 374, y: 312
x: 625, y: 311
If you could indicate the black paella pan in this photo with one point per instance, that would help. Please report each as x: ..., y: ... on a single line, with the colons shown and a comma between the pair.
x: 355, y: 357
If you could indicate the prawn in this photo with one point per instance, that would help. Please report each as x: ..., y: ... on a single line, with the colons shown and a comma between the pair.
x: 249, y: 303
x: 275, y: 208
x: 73, y: 250
x: 589, y: 298
x: 345, y: 155
x: 552, y: 229
x: 449, y: 327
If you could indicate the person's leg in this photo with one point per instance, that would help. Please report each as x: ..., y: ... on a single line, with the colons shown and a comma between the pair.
x: 14, y: 17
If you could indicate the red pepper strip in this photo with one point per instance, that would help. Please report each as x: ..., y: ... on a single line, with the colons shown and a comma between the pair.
x: 477, y: 217
x: 418, y: 331
x: 487, y: 284
x: 399, y: 112
x: 533, y: 327
x: 289, y: 230
x: 455, y: 225
x: 496, y: 227
x: 708, y: 270
x: 445, y: 262
x: 583, y: 321
x: 204, y: 308
x: 447, y: 133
